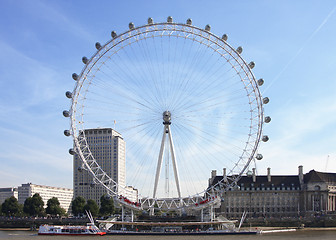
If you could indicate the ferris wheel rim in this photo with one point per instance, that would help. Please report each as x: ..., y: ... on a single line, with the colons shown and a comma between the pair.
x: 96, y: 57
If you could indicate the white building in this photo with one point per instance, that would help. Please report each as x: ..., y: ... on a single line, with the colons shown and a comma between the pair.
x: 64, y: 195
x: 131, y: 194
x: 7, y: 193
x: 109, y: 150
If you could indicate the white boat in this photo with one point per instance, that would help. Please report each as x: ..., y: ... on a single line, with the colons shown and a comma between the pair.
x: 90, y: 229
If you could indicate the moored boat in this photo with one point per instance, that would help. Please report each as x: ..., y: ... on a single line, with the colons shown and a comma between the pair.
x: 90, y: 229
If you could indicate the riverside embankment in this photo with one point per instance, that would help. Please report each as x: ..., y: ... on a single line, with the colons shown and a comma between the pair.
x: 312, y: 222
x: 33, y: 223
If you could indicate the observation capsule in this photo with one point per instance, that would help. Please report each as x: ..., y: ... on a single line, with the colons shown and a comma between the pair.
x: 259, y: 156
x: 85, y: 60
x: 267, y: 119
x: 189, y: 21
x: 265, y: 100
x: 72, y: 151
x: 98, y: 46
x: 113, y: 34
x: 239, y: 50
x: 265, y: 138
x: 251, y: 65
x: 68, y: 94
x: 67, y: 133
x: 150, y: 20
x: 207, y: 27
x: 169, y: 19
x: 225, y: 37
x: 131, y: 25
x: 260, y: 82
x: 74, y: 76
x: 66, y: 113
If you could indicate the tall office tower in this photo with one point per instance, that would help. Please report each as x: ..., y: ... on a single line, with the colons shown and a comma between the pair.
x: 108, y: 148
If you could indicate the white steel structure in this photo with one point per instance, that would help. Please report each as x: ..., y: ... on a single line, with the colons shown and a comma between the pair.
x: 166, y: 131
x: 207, y: 94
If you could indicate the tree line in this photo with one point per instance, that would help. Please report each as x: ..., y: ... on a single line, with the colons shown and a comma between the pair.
x: 34, y: 207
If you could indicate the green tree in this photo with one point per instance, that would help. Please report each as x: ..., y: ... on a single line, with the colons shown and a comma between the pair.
x: 106, y: 206
x: 78, y: 206
x: 33, y: 206
x: 92, y: 206
x: 21, y: 213
x: 10, y: 207
x: 54, y: 208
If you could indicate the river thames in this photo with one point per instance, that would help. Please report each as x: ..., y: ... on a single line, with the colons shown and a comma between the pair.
x: 301, y: 234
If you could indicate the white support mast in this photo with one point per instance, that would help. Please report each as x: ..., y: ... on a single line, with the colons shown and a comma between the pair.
x: 177, y: 182
x: 166, y: 130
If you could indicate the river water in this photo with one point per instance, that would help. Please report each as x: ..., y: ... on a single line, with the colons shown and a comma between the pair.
x: 301, y: 234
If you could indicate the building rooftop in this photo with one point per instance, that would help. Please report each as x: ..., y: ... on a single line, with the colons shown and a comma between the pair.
x: 262, y: 181
x: 314, y: 176
x: 10, y: 189
x: 282, y: 181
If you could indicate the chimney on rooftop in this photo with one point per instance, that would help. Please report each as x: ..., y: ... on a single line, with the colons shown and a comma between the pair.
x: 269, y: 174
x: 224, y: 175
x: 301, y: 174
x: 254, y: 177
x: 213, y: 175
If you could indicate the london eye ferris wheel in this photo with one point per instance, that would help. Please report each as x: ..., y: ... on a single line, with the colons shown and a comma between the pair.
x: 184, y: 101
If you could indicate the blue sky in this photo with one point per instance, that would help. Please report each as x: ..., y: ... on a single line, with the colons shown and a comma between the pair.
x: 42, y: 43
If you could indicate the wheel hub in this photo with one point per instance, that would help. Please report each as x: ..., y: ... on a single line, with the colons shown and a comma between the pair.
x: 166, y: 117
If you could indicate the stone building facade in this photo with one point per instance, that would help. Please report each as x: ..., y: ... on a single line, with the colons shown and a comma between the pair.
x: 279, y: 195
x: 319, y: 192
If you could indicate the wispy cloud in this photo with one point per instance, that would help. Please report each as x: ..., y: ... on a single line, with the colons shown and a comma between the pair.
x: 296, y: 139
x: 25, y: 80
x: 33, y: 157
x: 304, y: 44
x: 30, y: 95
x: 34, y: 149
x: 54, y: 15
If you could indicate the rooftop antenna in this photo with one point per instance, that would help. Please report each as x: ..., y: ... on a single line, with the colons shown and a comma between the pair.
x: 326, y: 166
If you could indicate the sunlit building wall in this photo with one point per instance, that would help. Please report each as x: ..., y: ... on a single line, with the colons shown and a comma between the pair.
x: 7, y: 193
x: 64, y: 195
